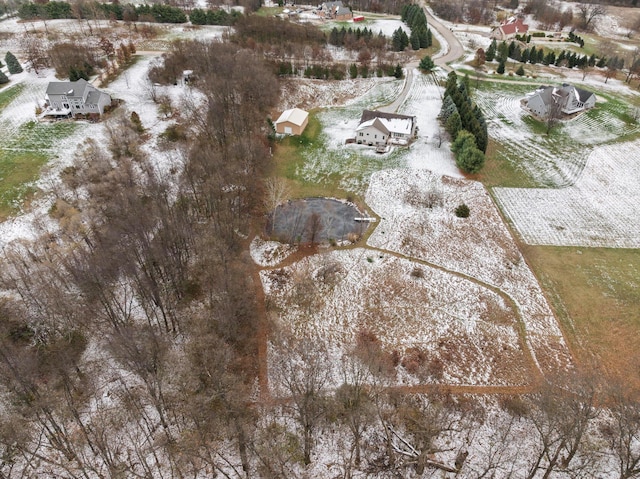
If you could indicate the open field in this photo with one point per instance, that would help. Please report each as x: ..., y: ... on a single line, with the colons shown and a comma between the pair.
x: 595, y: 292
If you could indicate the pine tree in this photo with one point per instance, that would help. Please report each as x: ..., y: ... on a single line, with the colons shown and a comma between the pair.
x: 414, y: 39
x: 501, y: 67
x: 452, y: 84
x: 353, y: 70
x: 3, y: 78
x: 448, y: 108
x: 520, y: 71
x: 426, y: 64
x: 463, y: 140
x: 453, y: 124
x: 490, y: 54
x: 12, y: 63
x: 470, y: 160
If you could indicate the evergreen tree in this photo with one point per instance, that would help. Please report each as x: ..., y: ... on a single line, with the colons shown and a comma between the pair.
x: 470, y: 160
x: 453, y: 124
x: 525, y: 56
x: 3, y: 78
x: 353, y: 70
x: 451, y: 86
x: 463, y: 140
x: 426, y: 64
x: 503, y: 51
x: 397, y: 72
x: 501, y: 67
x: 448, y: 108
x: 601, y: 63
x: 533, y: 55
x: 414, y: 40
x: 12, y: 63
x: 490, y: 54
x: 520, y: 71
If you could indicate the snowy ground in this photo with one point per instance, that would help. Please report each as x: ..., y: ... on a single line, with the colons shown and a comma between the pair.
x: 601, y: 209
x: 132, y: 87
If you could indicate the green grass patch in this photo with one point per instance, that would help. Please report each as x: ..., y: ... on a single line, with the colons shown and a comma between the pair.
x: 498, y: 170
x: 10, y: 94
x: 39, y: 136
x: 22, y: 155
x: 313, y: 167
x: 269, y: 11
x: 596, y: 292
x: 17, y: 170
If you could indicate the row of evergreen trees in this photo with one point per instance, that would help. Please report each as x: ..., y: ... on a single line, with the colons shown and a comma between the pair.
x: 547, y: 57
x: 416, y: 20
x: 13, y: 65
x: 199, y: 16
x: 465, y: 123
x: 340, y: 37
x: 57, y: 9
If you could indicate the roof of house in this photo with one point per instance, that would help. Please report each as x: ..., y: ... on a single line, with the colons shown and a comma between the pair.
x: 330, y: 5
x: 94, y: 97
x: 513, y: 25
x: 342, y: 11
x: 377, y: 123
x: 393, y: 122
x: 294, y: 115
x: 69, y: 88
x: 547, y: 93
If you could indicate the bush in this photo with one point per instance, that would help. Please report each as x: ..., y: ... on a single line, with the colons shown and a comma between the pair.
x: 426, y: 64
x: 462, y: 211
x: 520, y: 71
x: 12, y: 63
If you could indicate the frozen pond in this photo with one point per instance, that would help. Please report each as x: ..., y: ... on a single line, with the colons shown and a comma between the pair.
x: 315, y: 220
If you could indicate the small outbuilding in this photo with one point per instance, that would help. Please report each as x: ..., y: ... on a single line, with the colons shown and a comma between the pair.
x: 292, y: 122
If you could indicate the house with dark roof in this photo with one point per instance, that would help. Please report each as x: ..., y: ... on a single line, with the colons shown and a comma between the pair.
x: 509, y: 28
x: 64, y: 98
x: 379, y: 128
x: 564, y: 100
x: 336, y: 11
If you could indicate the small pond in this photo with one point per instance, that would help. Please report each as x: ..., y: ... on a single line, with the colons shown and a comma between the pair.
x: 315, y: 220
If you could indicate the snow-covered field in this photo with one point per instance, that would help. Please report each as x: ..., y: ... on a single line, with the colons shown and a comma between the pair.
x: 601, y: 209
x: 448, y: 296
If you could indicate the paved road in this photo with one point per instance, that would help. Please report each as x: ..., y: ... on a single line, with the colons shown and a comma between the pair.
x: 454, y: 48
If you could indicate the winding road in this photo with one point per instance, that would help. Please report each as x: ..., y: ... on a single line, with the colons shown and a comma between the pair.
x: 450, y: 50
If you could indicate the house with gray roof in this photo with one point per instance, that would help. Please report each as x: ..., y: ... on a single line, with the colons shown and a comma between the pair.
x: 336, y: 11
x: 564, y: 100
x: 64, y: 98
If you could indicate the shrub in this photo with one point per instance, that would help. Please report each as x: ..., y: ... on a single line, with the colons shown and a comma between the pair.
x: 520, y: 71
x: 12, y: 63
x: 426, y: 64
x: 462, y: 211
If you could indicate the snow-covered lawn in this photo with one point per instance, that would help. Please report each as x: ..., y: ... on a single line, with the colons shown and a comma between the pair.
x: 601, y: 209
x: 417, y: 220
x: 442, y: 327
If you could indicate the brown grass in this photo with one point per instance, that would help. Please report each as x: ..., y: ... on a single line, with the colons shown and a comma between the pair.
x: 596, y: 295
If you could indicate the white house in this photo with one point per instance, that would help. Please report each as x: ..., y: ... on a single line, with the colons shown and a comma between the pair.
x: 74, y: 97
x: 566, y: 99
x: 509, y: 28
x: 379, y: 128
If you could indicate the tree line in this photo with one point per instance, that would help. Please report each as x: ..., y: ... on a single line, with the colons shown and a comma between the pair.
x: 156, y: 12
x: 465, y: 124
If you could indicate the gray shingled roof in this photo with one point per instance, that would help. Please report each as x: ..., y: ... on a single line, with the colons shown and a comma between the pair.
x: 371, y: 114
x: 76, y: 88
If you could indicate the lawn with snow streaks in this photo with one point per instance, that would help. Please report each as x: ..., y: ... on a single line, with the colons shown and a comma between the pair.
x: 600, y: 210
x: 445, y: 329
x: 418, y: 220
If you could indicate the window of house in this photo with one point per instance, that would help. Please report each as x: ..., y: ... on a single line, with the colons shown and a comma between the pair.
x: 375, y: 136
x: 65, y: 105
